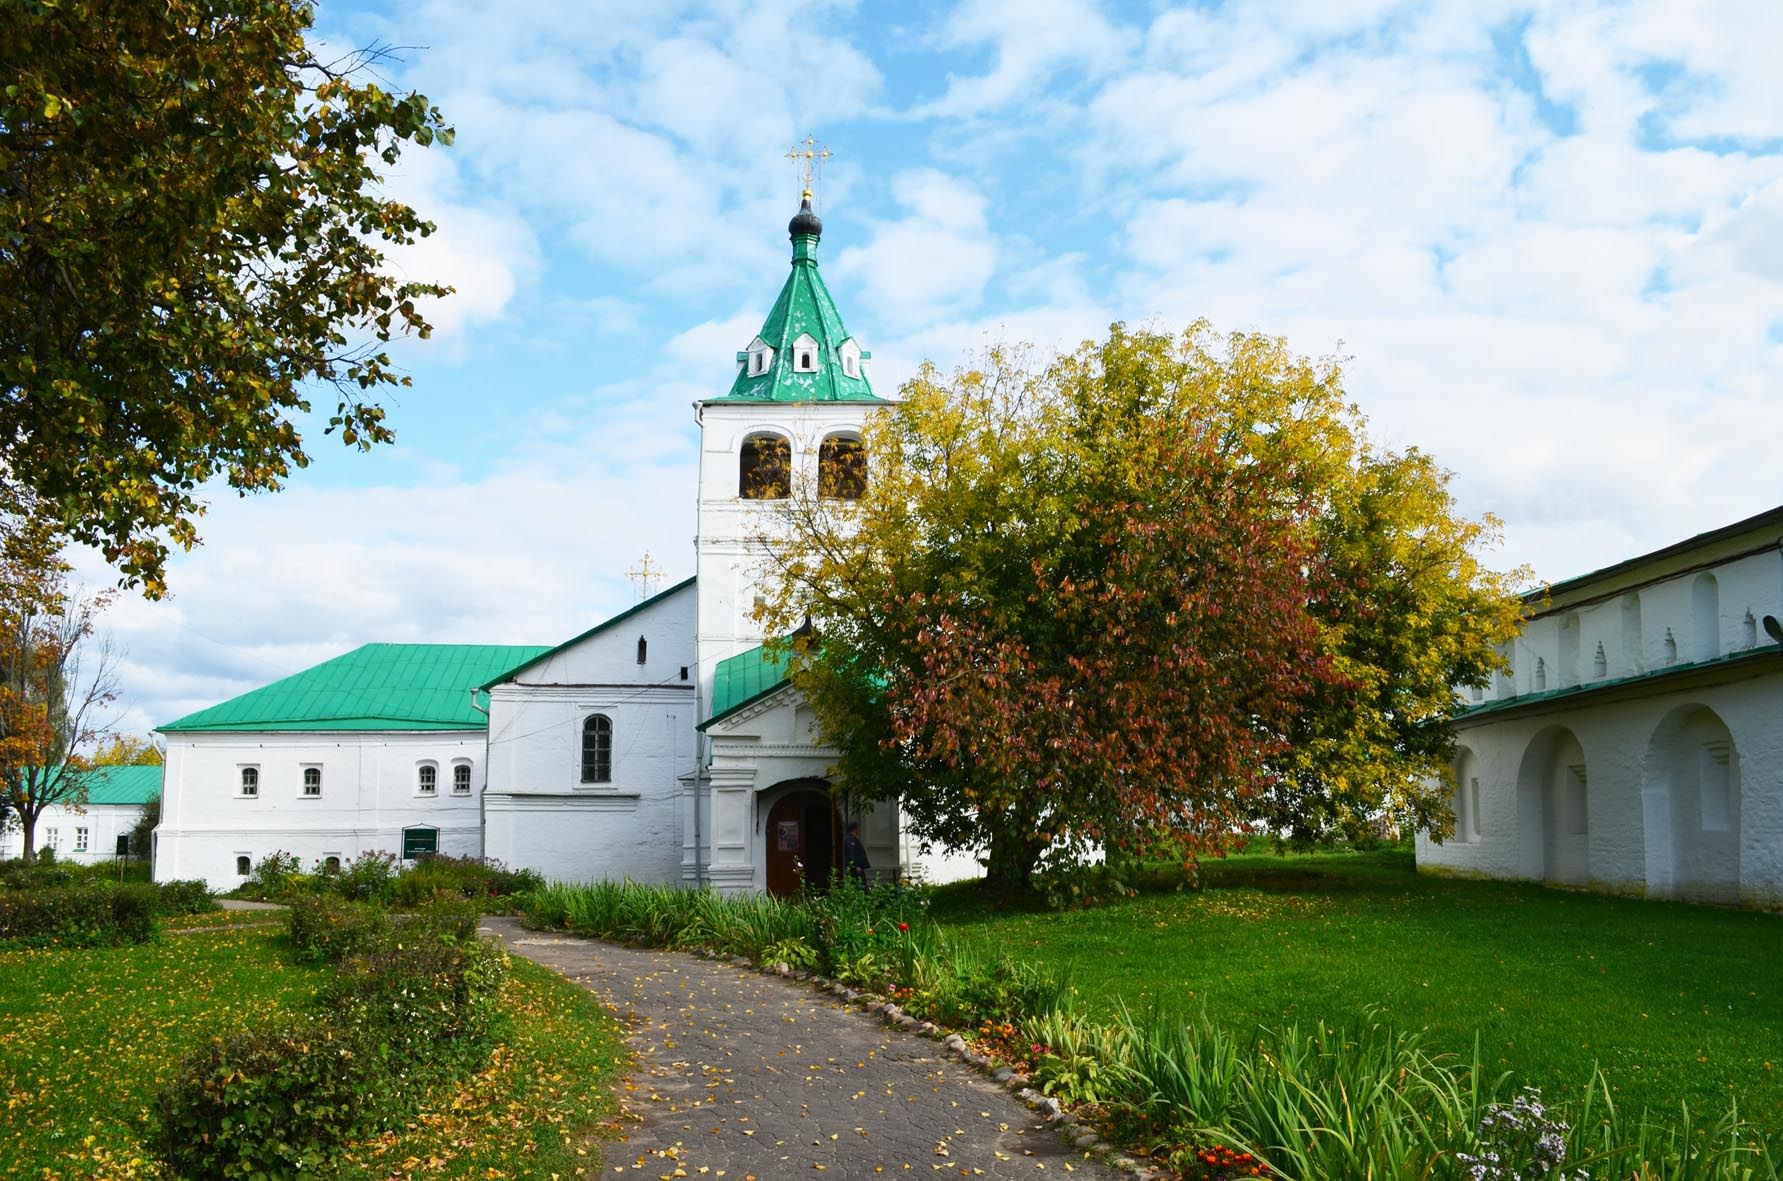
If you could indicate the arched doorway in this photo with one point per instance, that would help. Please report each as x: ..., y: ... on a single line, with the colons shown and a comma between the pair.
x: 1553, y: 809
x: 1690, y: 792
x: 804, y: 840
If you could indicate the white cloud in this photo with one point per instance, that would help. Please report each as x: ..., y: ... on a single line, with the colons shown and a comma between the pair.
x: 1031, y: 42
x: 930, y: 264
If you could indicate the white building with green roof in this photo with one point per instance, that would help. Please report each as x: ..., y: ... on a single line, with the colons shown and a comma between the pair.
x: 97, y: 826
x: 661, y: 745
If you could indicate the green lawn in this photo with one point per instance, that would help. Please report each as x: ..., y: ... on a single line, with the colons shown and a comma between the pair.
x: 88, y: 1037
x: 1675, y: 1002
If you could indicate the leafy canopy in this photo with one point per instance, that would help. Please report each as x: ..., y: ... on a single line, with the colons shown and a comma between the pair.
x: 1135, y: 599
x: 191, y: 237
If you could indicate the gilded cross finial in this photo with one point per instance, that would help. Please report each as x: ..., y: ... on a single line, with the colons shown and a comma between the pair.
x: 808, y: 158
x: 645, y: 576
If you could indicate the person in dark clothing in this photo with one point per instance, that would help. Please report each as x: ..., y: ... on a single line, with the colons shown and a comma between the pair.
x: 854, y: 854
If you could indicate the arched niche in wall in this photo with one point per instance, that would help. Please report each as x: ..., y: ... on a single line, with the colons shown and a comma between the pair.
x: 1466, y: 798
x: 1690, y: 795
x: 842, y: 468
x: 1633, y: 656
x: 764, y: 467
x: 1554, y: 808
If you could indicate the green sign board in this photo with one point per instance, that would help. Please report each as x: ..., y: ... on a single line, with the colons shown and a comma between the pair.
x: 419, y: 841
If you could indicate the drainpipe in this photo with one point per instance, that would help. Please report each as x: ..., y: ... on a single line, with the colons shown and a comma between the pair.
x: 482, y: 802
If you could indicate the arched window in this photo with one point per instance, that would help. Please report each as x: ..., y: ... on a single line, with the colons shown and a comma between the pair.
x: 759, y: 358
x: 461, y: 779
x: 765, y: 469
x: 242, y: 865
x: 331, y: 863
x: 842, y: 468
x: 597, y: 749
x: 250, y: 781
x: 427, y: 779
x: 643, y: 649
x: 312, y: 781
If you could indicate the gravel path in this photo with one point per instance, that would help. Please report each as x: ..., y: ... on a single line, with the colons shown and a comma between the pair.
x: 744, y: 1076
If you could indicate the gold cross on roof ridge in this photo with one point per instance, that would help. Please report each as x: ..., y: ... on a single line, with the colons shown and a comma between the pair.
x: 808, y: 157
x: 644, y: 576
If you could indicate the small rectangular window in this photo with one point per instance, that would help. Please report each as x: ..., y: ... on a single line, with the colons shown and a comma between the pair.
x: 250, y: 781
x: 52, y: 838
x: 242, y: 868
x: 312, y: 781
x: 80, y: 840
x: 461, y: 779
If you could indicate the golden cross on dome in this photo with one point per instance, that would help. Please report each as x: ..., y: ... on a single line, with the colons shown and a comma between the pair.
x: 808, y: 158
x: 644, y: 576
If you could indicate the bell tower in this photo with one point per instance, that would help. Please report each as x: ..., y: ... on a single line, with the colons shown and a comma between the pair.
x: 801, y: 394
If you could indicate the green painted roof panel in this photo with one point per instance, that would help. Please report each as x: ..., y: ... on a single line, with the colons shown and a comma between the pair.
x: 375, y: 687
x: 804, y: 308
x: 744, y: 677
x: 122, y: 785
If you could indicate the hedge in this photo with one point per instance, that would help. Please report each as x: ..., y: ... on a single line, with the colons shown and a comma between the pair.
x: 78, y: 916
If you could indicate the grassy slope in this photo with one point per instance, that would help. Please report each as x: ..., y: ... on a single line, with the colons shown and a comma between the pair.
x: 1676, y: 1002
x: 88, y: 1037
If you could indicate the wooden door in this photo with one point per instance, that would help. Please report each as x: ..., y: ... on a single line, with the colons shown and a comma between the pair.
x: 802, y: 842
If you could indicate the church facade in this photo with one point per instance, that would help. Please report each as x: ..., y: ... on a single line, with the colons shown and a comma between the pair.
x: 1635, y: 746
x: 663, y: 745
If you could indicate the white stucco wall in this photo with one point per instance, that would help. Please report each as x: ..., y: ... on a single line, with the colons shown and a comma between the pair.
x: 370, y: 794
x: 537, y: 812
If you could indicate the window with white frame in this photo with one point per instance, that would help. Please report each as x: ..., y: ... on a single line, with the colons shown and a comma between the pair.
x: 461, y: 779
x: 761, y: 357
x: 52, y: 838
x: 851, y: 357
x: 243, y: 865
x: 250, y: 782
x: 80, y: 840
x: 804, y: 354
x: 597, y: 749
x: 427, y: 779
x: 312, y: 781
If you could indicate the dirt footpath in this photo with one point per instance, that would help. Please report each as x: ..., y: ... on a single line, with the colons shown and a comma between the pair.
x: 742, y: 1075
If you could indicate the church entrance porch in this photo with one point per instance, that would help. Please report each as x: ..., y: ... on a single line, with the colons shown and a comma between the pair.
x: 804, y: 841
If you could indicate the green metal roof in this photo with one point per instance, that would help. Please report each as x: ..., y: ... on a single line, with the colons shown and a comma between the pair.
x: 510, y: 674
x: 1591, y: 688
x: 377, y: 687
x: 122, y: 785
x: 804, y: 308
x: 744, y: 678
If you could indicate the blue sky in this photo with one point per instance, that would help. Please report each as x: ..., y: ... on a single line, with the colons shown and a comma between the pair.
x: 1549, y: 237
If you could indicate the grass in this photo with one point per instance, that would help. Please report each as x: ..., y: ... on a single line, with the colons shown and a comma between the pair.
x: 1675, y: 1003
x: 87, y: 1039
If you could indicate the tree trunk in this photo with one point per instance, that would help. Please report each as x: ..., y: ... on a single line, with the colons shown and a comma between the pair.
x: 28, y: 826
x: 1014, y: 853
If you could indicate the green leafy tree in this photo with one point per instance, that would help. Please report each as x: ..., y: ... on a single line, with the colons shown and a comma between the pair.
x: 1137, y: 599
x: 142, y: 833
x: 191, y: 238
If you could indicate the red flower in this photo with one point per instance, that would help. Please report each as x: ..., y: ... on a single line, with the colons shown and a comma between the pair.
x: 903, y: 926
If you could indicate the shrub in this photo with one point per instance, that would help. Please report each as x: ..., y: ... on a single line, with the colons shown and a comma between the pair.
x: 414, y: 1005
x: 78, y: 916
x: 184, y: 897
x: 268, y: 1102
x: 369, y: 877
x: 275, y: 876
x: 327, y: 930
x: 435, y: 877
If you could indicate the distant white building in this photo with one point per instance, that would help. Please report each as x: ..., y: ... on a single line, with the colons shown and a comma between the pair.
x: 97, y: 829
x: 663, y: 745
x: 1637, y: 744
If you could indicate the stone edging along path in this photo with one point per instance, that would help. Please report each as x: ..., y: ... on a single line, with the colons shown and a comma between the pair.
x: 748, y: 1074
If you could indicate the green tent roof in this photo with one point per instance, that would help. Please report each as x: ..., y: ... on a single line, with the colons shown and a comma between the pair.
x: 803, y: 309
x: 377, y: 687
x: 742, y: 678
x: 122, y: 785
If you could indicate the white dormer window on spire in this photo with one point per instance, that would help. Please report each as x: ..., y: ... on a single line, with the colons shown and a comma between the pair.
x: 851, y: 358
x: 804, y: 354
x: 761, y: 357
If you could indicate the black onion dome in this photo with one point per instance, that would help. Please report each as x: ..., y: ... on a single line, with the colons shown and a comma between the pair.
x: 805, y: 222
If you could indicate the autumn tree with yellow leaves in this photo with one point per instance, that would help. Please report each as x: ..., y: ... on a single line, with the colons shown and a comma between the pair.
x: 1141, y: 598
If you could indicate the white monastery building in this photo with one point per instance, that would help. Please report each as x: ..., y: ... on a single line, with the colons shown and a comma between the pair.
x: 1637, y: 745
x: 98, y: 828
x: 664, y: 745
